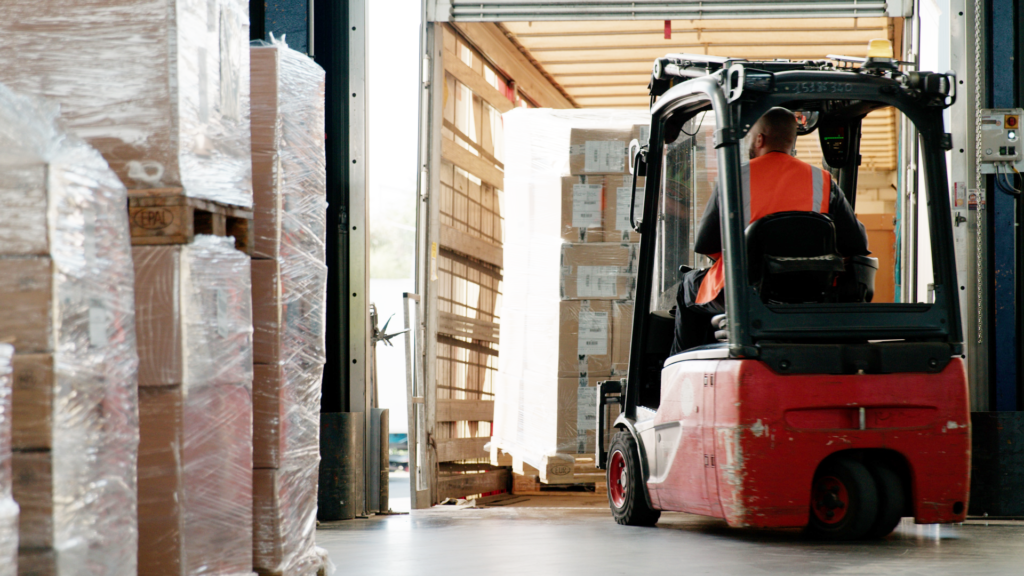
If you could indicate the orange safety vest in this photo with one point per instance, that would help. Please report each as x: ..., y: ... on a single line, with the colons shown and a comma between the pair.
x: 775, y: 182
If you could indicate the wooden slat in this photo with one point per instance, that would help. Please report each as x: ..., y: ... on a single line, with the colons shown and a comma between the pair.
x: 489, y: 40
x: 465, y: 410
x: 476, y: 83
x: 683, y: 38
x: 464, y: 243
x: 478, y: 348
x: 470, y: 263
x: 528, y: 29
x: 462, y: 485
x: 471, y: 163
x: 465, y: 137
x: 453, y: 449
x: 456, y: 325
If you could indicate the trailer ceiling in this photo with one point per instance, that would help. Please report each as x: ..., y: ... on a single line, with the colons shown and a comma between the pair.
x: 607, y: 64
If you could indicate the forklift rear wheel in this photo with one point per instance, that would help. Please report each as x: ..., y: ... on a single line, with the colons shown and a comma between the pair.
x: 625, y: 484
x: 891, y: 500
x: 844, y: 501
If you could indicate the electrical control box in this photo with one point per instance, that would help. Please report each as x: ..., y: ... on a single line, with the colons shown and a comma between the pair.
x: 1001, y: 135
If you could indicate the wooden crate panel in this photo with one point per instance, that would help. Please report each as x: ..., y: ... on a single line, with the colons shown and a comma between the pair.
x: 455, y: 449
x: 470, y: 483
x: 465, y: 410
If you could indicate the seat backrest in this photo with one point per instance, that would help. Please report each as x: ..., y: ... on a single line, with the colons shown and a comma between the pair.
x: 792, y: 257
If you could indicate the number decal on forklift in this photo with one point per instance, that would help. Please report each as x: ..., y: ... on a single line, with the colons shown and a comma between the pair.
x: 819, y: 87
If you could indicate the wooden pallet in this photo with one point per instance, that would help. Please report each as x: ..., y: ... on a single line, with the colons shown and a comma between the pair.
x: 554, y: 469
x: 160, y: 216
x: 530, y: 485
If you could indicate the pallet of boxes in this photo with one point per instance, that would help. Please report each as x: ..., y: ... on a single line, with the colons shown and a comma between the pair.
x: 289, y: 294
x: 161, y: 90
x: 569, y: 281
x: 67, y: 310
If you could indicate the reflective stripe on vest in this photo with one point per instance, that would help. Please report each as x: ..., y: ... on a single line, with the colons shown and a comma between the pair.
x: 775, y: 182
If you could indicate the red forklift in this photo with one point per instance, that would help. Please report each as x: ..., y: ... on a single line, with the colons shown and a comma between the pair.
x: 811, y: 406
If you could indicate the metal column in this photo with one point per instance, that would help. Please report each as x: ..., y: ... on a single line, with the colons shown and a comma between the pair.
x: 359, y: 336
x: 967, y: 57
x: 339, y: 46
x: 428, y: 225
x: 1003, y: 208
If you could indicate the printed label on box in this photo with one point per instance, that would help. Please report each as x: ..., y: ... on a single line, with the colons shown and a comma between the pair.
x: 645, y: 134
x: 97, y: 324
x: 596, y: 281
x: 593, y: 335
x: 586, y: 205
x: 622, y: 206
x: 222, y: 312
x: 586, y: 408
x: 605, y: 156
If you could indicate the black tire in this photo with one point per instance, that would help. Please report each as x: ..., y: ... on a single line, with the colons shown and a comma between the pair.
x: 844, y: 501
x: 891, y: 500
x: 626, y: 489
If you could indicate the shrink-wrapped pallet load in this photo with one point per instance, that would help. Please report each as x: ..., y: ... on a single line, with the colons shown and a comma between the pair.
x: 8, y: 508
x: 557, y: 329
x: 66, y: 286
x: 159, y: 87
x: 195, y: 408
x: 289, y: 295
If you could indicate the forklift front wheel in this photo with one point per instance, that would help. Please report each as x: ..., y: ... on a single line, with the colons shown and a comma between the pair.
x: 844, y: 501
x: 626, y: 484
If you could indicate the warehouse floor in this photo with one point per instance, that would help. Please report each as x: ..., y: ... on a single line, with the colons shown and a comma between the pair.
x: 566, y: 535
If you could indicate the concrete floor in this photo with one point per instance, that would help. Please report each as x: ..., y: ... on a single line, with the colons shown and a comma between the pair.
x: 568, y: 535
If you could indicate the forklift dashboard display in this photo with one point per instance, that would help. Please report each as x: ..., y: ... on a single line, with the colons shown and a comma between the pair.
x: 835, y: 143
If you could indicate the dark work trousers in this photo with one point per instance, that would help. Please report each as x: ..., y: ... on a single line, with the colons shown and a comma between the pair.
x: 693, y: 321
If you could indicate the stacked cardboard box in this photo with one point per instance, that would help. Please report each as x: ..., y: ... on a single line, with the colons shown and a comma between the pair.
x: 8, y: 508
x: 568, y: 270
x: 289, y: 291
x: 159, y: 87
x: 66, y: 289
x: 194, y: 318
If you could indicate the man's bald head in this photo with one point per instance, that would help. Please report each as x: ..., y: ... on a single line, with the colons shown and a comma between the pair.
x: 773, y: 132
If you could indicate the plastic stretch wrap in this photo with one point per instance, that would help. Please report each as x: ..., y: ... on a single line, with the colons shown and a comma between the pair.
x: 289, y: 165
x: 284, y: 517
x: 68, y: 308
x: 598, y: 271
x: 195, y: 456
x: 288, y: 310
x: 6, y: 355
x: 194, y: 313
x: 557, y: 340
x: 8, y: 509
x: 159, y: 87
x: 195, y: 480
x: 596, y: 208
x: 289, y: 295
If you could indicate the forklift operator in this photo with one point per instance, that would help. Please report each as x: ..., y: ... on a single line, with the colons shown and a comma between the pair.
x: 774, y: 181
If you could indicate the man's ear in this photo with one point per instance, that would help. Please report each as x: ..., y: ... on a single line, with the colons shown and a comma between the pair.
x: 759, y: 141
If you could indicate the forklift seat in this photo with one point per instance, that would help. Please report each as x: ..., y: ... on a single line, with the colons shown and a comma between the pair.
x: 792, y: 258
